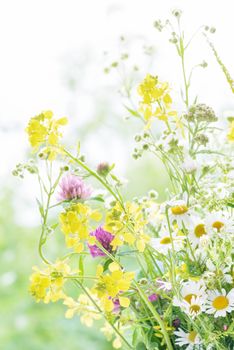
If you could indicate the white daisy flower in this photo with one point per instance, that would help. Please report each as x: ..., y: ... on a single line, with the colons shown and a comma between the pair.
x: 189, y: 290
x: 196, y: 230
x: 163, y: 244
x: 179, y: 212
x: 191, y: 339
x: 218, y: 222
x: 193, y: 308
x: 219, y: 303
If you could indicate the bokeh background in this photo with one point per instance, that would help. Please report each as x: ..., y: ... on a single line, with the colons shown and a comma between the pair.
x: 54, y: 55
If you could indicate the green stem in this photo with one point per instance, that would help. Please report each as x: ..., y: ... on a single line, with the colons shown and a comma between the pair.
x: 100, y: 310
x: 99, y: 178
x: 156, y: 316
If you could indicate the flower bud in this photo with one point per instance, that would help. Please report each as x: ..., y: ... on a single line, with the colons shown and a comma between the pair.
x: 177, y: 13
x: 201, y: 139
x: 145, y: 146
x: 138, y: 138
x: 153, y: 194
x: 103, y: 169
x: 201, y: 112
x: 212, y: 30
x: 176, y: 322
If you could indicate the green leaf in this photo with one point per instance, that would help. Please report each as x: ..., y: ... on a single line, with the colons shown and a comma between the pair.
x: 114, y: 178
x: 132, y: 112
x: 141, y: 346
x: 41, y: 210
x: 135, y: 337
x: 106, y: 265
x: 54, y: 226
x: 98, y: 198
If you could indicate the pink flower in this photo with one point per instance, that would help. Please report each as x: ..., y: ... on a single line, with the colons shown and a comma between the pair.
x: 153, y: 297
x: 104, y: 238
x: 73, y: 187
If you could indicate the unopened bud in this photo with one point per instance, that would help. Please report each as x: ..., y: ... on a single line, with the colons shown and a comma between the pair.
x: 103, y: 169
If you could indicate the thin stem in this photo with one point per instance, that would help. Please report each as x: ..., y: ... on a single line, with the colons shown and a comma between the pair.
x: 156, y: 316
x: 100, y: 310
x: 94, y: 174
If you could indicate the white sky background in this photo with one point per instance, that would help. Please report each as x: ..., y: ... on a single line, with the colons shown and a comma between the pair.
x: 36, y: 36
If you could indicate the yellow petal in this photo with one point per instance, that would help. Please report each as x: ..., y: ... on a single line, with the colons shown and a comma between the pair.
x: 62, y: 121
x: 140, y: 245
x: 129, y: 238
x: 108, y: 305
x: 125, y: 302
x: 117, y: 343
x: 69, y: 313
x: 114, y: 267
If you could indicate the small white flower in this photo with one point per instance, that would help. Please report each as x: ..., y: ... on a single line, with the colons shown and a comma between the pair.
x: 219, y: 303
x: 192, y: 308
x: 196, y: 231
x: 189, y: 290
x: 166, y: 242
x: 191, y: 339
x: 179, y: 212
x: 219, y: 222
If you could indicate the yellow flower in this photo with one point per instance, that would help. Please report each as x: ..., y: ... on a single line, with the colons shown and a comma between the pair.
x: 84, y: 307
x: 127, y: 226
x: 44, y: 130
x: 47, y: 284
x: 230, y: 134
x: 75, y: 224
x: 156, y: 100
x: 112, y: 285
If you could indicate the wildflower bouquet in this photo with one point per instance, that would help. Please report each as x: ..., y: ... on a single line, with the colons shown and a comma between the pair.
x: 164, y: 276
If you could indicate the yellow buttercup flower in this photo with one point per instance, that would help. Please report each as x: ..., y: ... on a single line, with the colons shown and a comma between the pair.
x: 127, y: 226
x: 47, y: 284
x: 76, y: 225
x: 44, y: 130
x: 112, y: 285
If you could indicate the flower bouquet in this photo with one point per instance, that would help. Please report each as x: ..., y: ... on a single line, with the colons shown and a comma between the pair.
x: 164, y: 272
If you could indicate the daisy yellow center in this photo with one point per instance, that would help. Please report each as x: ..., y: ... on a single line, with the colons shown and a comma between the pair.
x: 220, y: 303
x: 179, y: 209
x: 199, y: 230
x: 192, y: 336
x: 218, y: 225
x: 195, y: 308
x: 188, y: 297
x: 165, y: 240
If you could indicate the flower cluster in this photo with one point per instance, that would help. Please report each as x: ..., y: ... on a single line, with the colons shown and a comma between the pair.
x: 156, y: 100
x: 111, y: 286
x: 76, y: 225
x: 47, y: 284
x: 159, y: 274
x: 44, y: 130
